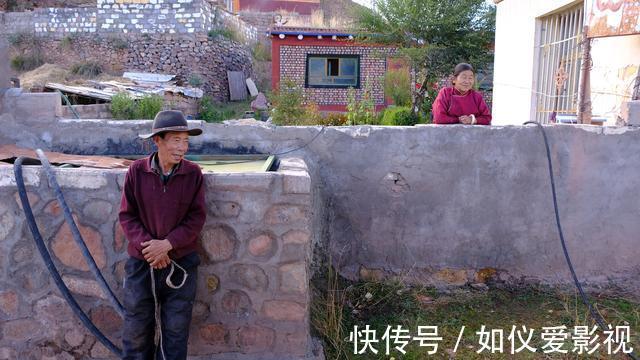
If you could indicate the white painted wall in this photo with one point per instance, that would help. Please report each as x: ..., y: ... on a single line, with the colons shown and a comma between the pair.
x: 615, y: 66
x: 515, y: 63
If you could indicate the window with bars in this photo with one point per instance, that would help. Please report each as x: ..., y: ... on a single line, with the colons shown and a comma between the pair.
x: 333, y: 71
x: 559, y: 62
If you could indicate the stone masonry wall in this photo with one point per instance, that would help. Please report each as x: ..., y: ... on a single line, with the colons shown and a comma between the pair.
x: 178, y: 55
x: 249, y: 33
x: 437, y: 203
x: 153, y: 16
x: 116, y: 16
x: 372, y: 69
x: 253, y: 293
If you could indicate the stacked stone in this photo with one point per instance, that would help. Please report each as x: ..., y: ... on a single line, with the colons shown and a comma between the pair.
x: 373, y: 64
x: 250, y: 33
x: 177, y: 55
x: 152, y: 16
x: 253, y: 292
x: 64, y: 21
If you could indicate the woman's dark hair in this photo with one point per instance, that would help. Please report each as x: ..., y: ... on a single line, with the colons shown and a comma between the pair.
x: 462, y: 67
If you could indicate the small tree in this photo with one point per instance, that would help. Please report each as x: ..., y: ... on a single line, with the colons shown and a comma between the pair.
x: 434, y: 34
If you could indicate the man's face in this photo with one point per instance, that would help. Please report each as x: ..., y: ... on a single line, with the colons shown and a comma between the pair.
x: 173, y: 147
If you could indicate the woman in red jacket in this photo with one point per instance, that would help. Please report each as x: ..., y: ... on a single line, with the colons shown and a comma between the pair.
x: 461, y: 104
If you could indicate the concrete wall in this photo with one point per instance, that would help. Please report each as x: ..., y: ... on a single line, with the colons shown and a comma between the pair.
x: 253, y: 296
x: 440, y: 203
x: 516, y: 61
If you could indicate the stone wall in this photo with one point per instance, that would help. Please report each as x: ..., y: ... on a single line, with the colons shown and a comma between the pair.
x: 65, y: 21
x: 249, y: 33
x: 179, y: 55
x: 373, y: 62
x: 253, y: 294
x: 159, y: 16
x: 116, y: 16
x: 96, y: 111
x: 438, y: 203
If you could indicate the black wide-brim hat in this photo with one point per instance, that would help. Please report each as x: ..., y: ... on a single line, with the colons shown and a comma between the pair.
x: 170, y: 120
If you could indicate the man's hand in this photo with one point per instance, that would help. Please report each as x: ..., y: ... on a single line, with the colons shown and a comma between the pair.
x: 465, y: 119
x: 161, y: 262
x: 155, y: 251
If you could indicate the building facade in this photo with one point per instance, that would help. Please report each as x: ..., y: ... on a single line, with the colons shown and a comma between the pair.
x: 538, y: 61
x: 327, y: 63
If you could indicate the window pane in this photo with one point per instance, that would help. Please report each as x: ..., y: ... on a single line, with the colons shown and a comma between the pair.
x: 316, y: 66
x: 333, y: 67
x: 335, y: 71
x: 348, y: 67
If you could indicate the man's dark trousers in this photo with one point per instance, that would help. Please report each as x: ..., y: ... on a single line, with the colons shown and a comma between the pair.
x: 176, y: 307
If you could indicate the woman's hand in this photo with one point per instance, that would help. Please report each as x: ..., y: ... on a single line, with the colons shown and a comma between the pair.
x: 465, y: 119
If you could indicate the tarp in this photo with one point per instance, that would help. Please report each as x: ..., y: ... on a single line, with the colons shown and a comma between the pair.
x: 10, y: 152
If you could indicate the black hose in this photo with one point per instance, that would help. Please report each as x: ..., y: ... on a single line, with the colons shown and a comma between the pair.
x: 76, y: 233
x: 44, y: 252
x: 594, y: 314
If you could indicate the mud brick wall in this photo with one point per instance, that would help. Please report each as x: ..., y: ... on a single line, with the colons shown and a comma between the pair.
x: 253, y: 292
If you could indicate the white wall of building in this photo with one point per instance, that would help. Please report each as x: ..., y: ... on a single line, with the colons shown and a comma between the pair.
x: 514, y: 64
x: 615, y: 66
x: 615, y: 62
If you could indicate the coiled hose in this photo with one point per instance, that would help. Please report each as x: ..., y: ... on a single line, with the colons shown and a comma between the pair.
x: 44, y: 252
x: 76, y: 233
x: 594, y: 314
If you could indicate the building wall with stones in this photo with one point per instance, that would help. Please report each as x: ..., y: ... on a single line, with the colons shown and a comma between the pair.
x: 253, y: 289
x: 290, y: 59
x: 117, y: 16
x: 180, y: 55
x: 249, y: 33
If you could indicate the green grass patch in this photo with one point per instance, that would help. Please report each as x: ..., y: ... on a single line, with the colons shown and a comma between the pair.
x: 213, y: 111
x: 339, y: 305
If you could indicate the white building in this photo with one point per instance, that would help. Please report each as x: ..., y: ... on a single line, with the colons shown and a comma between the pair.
x: 536, y: 38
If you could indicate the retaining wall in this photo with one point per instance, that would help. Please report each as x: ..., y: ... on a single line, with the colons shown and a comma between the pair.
x: 253, y: 296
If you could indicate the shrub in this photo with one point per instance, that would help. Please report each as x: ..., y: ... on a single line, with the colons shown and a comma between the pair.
x: 26, y: 62
x: 87, y: 69
x: 118, y: 43
x: 360, y: 111
x: 211, y: 111
x: 405, y: 117
x: 288, y: 104
x: 261, y: 52
x: 122, y: 106
x: 223, y: 32
x: 397, y: 84
x: 333, y: 119
x: 67, y: 41
x: 23, y: 39
x: 195, y: 80
x: 148, y: 106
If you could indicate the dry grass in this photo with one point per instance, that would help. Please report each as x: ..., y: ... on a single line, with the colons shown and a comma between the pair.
x: 339, y: 305
x: 317, y: 20
x: 42, y: 75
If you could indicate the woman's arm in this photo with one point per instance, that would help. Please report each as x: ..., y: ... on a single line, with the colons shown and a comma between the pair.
x: 483, y: 117
x: 440, y: 107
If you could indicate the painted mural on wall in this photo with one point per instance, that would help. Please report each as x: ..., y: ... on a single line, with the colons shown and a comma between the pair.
x: 613, y: 17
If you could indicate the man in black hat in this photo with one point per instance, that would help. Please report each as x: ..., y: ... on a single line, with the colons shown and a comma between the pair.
x: 162, y: 212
